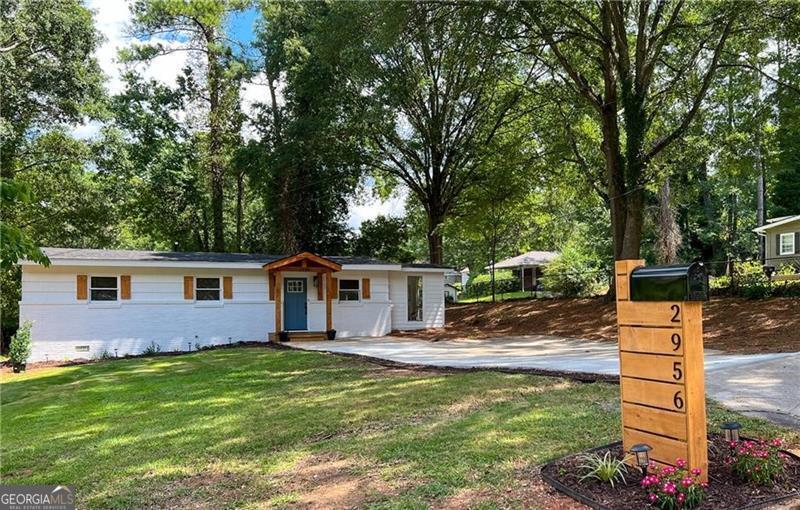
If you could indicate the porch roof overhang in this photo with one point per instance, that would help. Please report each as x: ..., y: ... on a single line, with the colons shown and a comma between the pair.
x: 303, y: 261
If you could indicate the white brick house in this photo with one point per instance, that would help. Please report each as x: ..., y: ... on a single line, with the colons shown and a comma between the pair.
x: 121, y: 302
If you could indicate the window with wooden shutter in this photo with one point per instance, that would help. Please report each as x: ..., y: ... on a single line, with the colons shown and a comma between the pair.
x: 125, y: 286
x: 227, y: 287
x: 365, y: 294
x: 188, y: 287
x: 82, y: 287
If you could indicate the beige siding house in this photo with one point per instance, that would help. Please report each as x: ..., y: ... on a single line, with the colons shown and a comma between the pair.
x: 782, y: 237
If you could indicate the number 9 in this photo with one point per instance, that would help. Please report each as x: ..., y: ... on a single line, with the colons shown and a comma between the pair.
x: 676, y: 341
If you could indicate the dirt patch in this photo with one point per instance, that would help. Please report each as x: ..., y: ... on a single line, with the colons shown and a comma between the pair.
x: 730, y: 324
x: 204, y: 490
x: 327, y: 481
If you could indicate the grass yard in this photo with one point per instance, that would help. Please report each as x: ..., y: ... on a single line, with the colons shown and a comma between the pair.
x: 255, y: 427
x: 520, y: 294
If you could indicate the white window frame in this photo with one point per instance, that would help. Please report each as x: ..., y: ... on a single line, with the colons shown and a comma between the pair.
x: 339, y: 293
x: 421, y: 317
x: 219, y: 288
x: 301, y: 281
x: 791, y: 236
x: 89, y: 285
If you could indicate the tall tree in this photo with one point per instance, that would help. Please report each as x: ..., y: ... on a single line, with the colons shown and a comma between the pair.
x: 436, y: 83
x: 310, y: 142
x: 198, y: 27
x: 644, y: 68
x: 48, y: 76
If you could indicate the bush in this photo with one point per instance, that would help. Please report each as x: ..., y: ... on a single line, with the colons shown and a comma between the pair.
x: 760, y: 462
x: 670, y: 487
x: 607, y: 469
x: 151, y: 349
x: 481, y: 284
x: 20, y: 349
x: 752, y: 281
x: 573, y: 274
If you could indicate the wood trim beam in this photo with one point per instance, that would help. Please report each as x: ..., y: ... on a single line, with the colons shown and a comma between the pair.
x: 328, y: 300
x: 303, y: 256
x: 278, y: 301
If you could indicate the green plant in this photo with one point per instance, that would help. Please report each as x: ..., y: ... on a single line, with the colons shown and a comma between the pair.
x: 20, y: 349
x: 151, y: 349
x: 607, y: 469
x: 753, y: 282
x: 671, y: 488
x: 105, y: 355
x: 573, y: 273
x: 760, y: 462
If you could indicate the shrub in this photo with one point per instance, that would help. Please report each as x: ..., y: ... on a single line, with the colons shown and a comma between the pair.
x: 670, y: 488
x: 759, y: 462
x: 573, y: 274
x: 481, y: 284
x: 607, y: 469
x: 151, y: 349
x: 753, y: 282
x: 20, y: 349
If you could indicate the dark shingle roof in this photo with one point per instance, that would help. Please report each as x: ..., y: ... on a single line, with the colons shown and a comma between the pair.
x: 425, y: 265
x: 184, y: 256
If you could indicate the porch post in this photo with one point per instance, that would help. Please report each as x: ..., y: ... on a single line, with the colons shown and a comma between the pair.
x: 278, y: 300
x: 328, y: 300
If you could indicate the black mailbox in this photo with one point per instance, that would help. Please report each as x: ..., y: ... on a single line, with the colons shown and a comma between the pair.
x: 683, y: 282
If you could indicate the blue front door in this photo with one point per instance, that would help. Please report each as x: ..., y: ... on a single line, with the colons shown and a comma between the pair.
x: 295, y: 310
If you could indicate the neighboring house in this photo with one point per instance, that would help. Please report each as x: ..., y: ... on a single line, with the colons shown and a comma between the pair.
x: 121, y: 302
x: 782, y: 242
x: 527, y: 266
x: 454, y: 283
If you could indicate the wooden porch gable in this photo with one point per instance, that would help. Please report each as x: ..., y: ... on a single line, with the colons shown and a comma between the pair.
x: 307, y: 262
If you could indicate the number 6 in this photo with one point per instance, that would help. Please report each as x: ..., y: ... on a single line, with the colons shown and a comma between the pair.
x: 677, y: 400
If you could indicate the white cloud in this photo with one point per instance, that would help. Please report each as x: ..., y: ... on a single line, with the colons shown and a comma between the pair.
x: 367, y: 210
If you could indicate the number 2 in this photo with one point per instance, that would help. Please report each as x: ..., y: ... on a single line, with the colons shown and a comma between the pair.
x: 677, y: 373
x: 677, y: 316
x: 676, y: 341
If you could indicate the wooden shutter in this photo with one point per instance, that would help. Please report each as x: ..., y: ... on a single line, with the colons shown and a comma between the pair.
x: 777, y: 244
x: 335, y: 287
x: 797, y: 242
x: 188, y: 287
x: 365, y: 288
x: 227, y: 287
x: 82, y: 287
x: 125, y: 286
x: 271, y: 282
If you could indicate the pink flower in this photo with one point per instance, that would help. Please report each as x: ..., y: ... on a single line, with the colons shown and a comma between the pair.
x: 653, y: 497
x: 686, y: 482
x: 696, y: 471
x: 680, y: 463
x: 681, y: 497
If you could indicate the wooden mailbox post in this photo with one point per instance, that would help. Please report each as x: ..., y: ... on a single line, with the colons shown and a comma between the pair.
x: 661, y: 374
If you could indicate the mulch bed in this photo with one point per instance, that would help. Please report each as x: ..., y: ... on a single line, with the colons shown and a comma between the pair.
x: 725, y: 491
x: 729, y: 324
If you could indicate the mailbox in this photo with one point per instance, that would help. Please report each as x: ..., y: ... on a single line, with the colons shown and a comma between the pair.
x: 683, y: 282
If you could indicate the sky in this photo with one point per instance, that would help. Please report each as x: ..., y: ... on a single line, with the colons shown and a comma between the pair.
x: 111, y: 19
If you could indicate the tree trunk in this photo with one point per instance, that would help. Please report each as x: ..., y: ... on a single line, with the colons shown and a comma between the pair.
x: 669, y: 234
x: 434, y: 234
x: 216, y: 165
x: 239, y: 209
x: 761, y: 214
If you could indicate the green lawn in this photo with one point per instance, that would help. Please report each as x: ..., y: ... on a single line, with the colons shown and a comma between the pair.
x: 261, y: 428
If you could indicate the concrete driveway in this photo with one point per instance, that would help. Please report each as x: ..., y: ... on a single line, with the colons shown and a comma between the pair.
x: 765, y: 385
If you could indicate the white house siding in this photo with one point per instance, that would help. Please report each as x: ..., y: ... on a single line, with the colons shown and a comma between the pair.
x: 367, y: 317
x: 158, y: 314
x: 432, y: 300
x: 155, y: 314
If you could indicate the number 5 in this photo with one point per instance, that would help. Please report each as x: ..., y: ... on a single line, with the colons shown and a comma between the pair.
x: 677, y: 373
